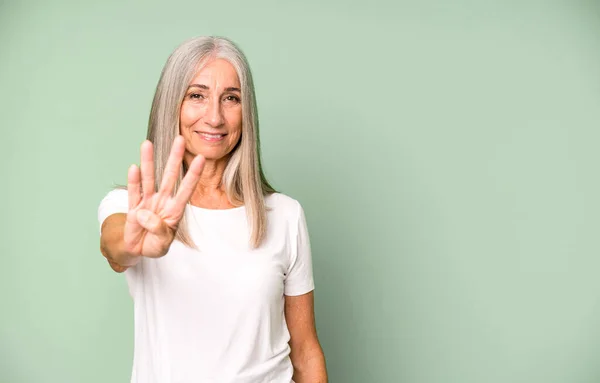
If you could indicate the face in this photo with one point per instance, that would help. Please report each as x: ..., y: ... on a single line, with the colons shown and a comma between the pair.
x: 211, y: 112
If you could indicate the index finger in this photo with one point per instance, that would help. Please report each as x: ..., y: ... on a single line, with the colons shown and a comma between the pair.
x: 133, y: 186
x: 189, y: 182
x: 171, y: 173
x: 147, y: 170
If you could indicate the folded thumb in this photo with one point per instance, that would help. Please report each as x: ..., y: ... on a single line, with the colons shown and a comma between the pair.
x: 149, y: 221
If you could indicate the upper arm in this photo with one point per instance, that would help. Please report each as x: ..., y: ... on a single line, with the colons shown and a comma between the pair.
x: 300, y: 318
x: 299, y: 279
x: 112, y: 214
x: 111, y: 234
x: 112, y: 223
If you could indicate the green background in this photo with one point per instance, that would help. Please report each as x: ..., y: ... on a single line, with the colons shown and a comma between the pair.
x: 445, y: 152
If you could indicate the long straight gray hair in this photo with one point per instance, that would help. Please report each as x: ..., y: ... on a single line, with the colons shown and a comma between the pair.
x: 243, y: 180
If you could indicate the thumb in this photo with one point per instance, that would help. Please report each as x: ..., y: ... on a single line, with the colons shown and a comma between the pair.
x: 150, y: 221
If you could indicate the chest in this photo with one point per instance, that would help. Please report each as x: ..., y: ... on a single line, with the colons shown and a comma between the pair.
x: 223, y: 270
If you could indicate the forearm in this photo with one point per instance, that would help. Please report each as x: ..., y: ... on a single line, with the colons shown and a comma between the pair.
x: 112, y: 245
x: 309, y: 367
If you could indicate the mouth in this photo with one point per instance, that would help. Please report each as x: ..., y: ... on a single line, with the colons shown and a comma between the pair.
x: 210, y: 137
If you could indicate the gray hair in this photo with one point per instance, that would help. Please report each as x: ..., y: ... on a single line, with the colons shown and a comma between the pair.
x: 244, y: 180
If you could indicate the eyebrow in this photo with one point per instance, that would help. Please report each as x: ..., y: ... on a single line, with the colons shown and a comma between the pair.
x: 202, y: 86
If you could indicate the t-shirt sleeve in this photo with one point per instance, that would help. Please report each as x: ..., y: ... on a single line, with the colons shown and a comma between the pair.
x: 115, y: 201
x: 299, y: 279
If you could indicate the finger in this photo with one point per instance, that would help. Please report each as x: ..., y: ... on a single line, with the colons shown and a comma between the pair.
x: 189, y: 182
x: 133, y: 186
x: 147, y: 170
x: 173, y: 167
x: 150, y: 221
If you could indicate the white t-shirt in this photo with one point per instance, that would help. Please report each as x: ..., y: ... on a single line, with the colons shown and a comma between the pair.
x: 217, y: 314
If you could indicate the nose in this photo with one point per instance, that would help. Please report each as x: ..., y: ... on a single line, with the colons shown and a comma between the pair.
x: 214, y: 114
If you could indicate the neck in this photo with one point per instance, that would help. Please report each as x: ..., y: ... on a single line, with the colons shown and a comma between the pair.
x: 211, y: 176
x: 210, y: 191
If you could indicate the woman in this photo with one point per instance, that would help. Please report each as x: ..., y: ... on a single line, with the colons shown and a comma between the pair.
x: 218, y: 264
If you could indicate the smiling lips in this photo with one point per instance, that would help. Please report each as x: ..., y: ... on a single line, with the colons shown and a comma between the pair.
x: 211, y: 137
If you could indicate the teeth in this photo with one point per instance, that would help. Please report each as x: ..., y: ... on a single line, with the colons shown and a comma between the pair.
x: 211, y: 135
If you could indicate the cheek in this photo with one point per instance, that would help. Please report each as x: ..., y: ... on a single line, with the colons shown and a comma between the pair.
x: 236, y: 132
x: 188, y: 115
x: 235, y: 121
x: 234, y: 138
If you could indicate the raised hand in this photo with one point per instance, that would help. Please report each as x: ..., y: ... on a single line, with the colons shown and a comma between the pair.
x: 153, y: 216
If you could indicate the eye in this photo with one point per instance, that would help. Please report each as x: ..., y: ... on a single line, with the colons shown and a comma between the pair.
x: 235, y: 99
x: 196, y: 96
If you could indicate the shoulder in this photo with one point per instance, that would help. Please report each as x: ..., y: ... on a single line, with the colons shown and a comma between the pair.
x: 115, y: 198
x: 114, y: 201
x: 283, y: 204
x: 118, y: 194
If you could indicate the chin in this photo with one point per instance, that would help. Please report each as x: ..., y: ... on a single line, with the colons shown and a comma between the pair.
x: 212, y: 155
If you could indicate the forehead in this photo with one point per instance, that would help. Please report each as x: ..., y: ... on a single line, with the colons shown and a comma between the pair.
x: 217, y: 72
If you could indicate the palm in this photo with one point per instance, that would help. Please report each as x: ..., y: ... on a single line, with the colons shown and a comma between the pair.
x: 152, y: 238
